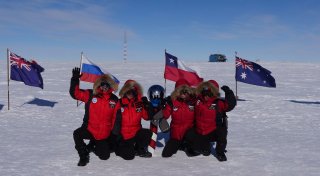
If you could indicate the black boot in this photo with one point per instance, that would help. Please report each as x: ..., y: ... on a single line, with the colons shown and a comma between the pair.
x: 84, y: 157
x: 220, y: 151
x: 144, y: 153
x: 206, y: 152
x: 221, y: 156
x: 190, y: 152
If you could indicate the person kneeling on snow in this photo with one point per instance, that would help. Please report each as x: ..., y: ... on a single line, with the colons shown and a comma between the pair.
x: 209, y: 111
x: 129, y: 112
x: 98, y: 118
x: 180, y: 106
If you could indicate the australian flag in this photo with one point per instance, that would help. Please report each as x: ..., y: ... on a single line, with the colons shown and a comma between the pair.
x: 25, y: 71
x: 253, y: 73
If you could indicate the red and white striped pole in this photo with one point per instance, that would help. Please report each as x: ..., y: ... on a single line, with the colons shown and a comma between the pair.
x: 153, y: 141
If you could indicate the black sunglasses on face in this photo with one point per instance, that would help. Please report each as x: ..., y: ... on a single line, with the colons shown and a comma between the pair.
x: 105, y: 84
x: 184, y: 92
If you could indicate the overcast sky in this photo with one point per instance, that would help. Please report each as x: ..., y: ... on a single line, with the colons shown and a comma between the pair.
x: 268, y: 30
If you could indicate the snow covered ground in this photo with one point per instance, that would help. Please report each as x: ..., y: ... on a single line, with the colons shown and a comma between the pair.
x: 271, y: 131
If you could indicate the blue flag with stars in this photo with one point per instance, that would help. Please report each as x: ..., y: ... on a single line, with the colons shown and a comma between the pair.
x: 25, y: 71
x: 253, y: 73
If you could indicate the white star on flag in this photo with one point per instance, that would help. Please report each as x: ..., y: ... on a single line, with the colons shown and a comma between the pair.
x: 243, y: 75
x: 171, y: 61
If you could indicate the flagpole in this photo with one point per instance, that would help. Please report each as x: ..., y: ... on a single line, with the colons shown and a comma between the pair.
x: 8, y: 77
x: 235, y: 56
x: 165, y: 81
x: 80, y: 72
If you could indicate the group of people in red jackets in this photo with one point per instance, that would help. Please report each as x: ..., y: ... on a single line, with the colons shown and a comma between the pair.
x: 112, y: 124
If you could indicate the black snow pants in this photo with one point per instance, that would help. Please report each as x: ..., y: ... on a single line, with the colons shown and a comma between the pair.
x: 101, y: 146
x: 127, y: 149
x: 202, y: 143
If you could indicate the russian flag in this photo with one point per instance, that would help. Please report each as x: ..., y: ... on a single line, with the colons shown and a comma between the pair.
x: 91, y: 72
x: 175, y: 69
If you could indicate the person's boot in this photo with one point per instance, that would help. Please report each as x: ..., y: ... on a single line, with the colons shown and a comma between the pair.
x: 221, y: 156
x: 84, y: 157
x: 144, y: 154
x: 205, y: 152
x: 220, y: 151
x: 190, y: 152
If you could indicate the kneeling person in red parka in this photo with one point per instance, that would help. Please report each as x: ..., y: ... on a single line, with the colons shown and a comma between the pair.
x: 98, y: 118
x: 130, y: 111
x: 181, y: 109
x: 209, y: 111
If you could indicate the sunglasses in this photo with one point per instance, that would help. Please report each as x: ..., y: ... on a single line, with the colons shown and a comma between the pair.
x: 132, y: 92
x: 184, y: 92
x: 206, y: 92
x: 105, y: 85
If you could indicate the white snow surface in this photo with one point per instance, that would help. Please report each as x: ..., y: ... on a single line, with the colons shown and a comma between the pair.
x: 273, y: 131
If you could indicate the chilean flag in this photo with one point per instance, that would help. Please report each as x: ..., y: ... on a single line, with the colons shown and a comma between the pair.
x: 91, y: 72
x: 175, y: 69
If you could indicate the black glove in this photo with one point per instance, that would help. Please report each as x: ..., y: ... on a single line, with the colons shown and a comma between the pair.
x: 225, y: 88
x: 138, y: 104
x: 145, y: 102
x: 76, y: 73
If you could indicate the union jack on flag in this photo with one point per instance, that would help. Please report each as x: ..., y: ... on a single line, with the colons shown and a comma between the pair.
x: 244, y: 63
x: 253, y: 73
x: 25, y: 71
x: 19, y: 62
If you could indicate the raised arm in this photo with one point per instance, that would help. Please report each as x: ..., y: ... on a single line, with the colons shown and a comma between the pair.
x: 75, y: 91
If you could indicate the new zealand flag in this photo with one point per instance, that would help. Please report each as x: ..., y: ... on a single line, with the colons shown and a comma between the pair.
x: 253, y: 73
x: 25, y: 71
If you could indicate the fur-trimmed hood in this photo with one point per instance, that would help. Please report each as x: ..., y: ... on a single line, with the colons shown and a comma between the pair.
x: 104, y: 78
x: 128, y: 85
x: 175, y: 94
x: 213, y: 89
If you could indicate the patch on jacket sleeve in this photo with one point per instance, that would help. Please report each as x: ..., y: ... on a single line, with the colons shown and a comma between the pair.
x: 191, y: 108
x: 175, y: 108
x: 138, y: 109
x: 112, y: 104
x: 212, y: 106
x: 94, y: 100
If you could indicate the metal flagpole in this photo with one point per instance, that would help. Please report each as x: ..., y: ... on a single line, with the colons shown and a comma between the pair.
x: 81, y: 56
x: 8, y: 76
x: 165, y: 81
x: 235, y: 56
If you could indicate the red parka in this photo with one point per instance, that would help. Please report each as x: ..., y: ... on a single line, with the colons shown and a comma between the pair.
x: 99, y: 109
x: 130, y: 111
x: 208, y: 111
x: 181, y: 111
x: 206, y: 114
x: 182, y: 118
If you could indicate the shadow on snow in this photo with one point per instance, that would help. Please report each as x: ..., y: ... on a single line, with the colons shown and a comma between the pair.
x: 304, y: 102
x: 42, y: 102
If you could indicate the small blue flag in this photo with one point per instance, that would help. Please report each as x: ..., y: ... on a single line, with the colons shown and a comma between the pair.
x: 25, y: 71
x: 253, y: 73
